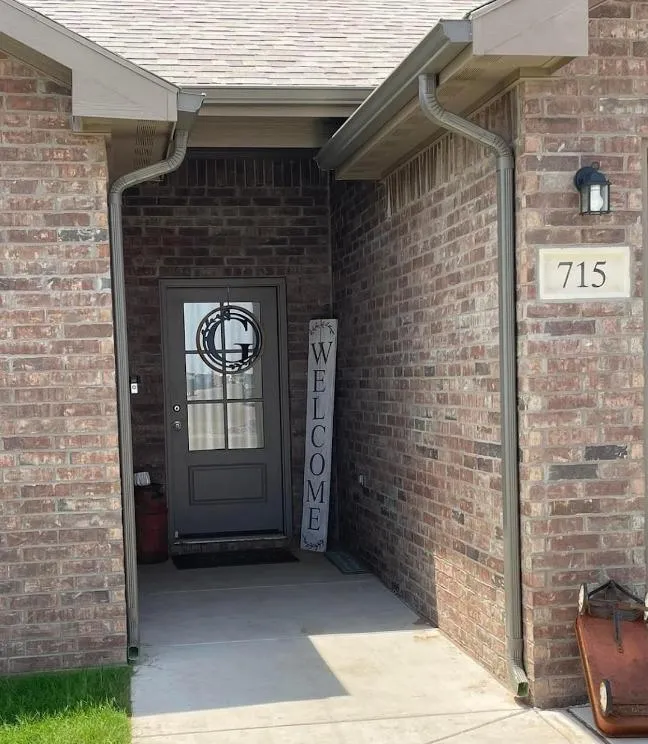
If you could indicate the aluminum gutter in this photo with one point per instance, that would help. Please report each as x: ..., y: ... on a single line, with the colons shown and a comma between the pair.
x: 282, y: 95
x: 446, y: 40
x: 508, y: 365
x: 188, y: 108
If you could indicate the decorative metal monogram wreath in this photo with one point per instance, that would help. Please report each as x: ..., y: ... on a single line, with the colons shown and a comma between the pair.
x: 210, y: 340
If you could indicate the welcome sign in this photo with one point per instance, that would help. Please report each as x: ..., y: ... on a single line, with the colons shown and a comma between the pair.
x: 322, y: 351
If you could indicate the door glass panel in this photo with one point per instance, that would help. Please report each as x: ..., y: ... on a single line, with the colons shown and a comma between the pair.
x: 203, y: 383
x: 242, y: 338
x: 194, y: 312
x: 223, y: 342
x: 245, y: 385
x: 206, y: 424
x: 245, y: 425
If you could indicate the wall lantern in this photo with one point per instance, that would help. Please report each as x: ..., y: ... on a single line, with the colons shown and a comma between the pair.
x: 594, y: 190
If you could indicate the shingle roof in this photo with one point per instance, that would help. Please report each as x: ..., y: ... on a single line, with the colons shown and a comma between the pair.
x: 326, y: 43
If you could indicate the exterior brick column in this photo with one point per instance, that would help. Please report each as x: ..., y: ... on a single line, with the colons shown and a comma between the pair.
x: 581, y: 363
x: 61, y: 565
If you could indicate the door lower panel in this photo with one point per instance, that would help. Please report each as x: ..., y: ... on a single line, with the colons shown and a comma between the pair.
x: 228, y: 484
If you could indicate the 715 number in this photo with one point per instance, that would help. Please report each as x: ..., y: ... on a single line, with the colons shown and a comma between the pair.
x: 580, y: 269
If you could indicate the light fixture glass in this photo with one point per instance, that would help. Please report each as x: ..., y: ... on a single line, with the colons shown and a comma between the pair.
x: 594, y: 190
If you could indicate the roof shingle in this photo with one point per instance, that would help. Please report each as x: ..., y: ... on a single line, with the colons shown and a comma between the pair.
x: 326, y: 43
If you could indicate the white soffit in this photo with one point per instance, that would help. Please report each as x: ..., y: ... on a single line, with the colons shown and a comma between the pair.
x: 541, y: 28
x: 103, y: 84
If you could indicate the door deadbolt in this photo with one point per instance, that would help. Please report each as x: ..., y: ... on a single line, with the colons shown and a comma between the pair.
x: 176, y: 408
x: 177, y: 425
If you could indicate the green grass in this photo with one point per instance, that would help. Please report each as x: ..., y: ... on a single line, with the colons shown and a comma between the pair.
x: 90, y: 706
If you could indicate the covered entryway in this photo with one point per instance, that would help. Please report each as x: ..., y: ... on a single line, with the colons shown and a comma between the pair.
x: 226, y: 261
x: 226, y: 408
x: 298, y: 653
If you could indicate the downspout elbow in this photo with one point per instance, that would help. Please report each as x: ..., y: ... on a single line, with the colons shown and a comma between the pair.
x: 173, y: 162
x: 432, y: 108
x: 189, y: 105
x: 449, y: 121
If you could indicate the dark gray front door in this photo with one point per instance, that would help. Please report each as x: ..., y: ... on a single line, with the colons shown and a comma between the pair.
x: 223, y: 418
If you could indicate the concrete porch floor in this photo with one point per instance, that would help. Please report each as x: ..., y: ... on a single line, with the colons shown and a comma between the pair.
x: 299, y: 652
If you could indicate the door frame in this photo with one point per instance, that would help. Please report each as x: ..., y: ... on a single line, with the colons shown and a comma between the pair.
x: 279, y: 284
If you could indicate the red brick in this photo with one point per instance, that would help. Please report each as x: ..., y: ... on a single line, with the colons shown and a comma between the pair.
x: 32, y: 103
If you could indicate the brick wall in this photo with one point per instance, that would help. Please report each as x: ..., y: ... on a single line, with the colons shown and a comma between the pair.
x: 414, y: 287
x: 415, y: 291
x: 226, y: 216
x: 581, y: 364
x: 61, y: 567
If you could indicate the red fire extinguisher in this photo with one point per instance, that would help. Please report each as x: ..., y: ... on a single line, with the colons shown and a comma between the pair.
x: 151, y: 524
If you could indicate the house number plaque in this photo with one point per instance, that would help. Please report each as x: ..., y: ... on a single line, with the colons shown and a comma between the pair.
x: 589, y: 272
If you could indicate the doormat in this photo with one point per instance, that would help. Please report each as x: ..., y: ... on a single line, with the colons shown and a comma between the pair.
x: 345, y: 562
x: 233, y: 558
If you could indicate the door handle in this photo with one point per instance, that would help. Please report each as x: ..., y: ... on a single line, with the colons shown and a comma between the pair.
x: 177, y: 425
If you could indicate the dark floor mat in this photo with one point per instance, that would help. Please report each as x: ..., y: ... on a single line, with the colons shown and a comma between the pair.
x: 233, y: 558
x: 345, y: 562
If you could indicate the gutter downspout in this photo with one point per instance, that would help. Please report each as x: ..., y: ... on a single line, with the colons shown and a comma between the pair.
x: 508, y: 366
x: 188, y: 107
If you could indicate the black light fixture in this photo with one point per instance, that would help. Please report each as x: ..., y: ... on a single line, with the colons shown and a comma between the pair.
x: 594, y: 190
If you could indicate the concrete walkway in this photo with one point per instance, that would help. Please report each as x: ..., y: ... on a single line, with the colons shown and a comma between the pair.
x: 298, y: 653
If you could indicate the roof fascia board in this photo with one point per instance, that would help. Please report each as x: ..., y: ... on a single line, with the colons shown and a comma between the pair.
x: 103, y: 84
x: 444, y: 42
x: 527, y: 27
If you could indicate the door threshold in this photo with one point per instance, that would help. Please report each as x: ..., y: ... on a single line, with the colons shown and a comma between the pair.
x: 182, y: 546
x: 230, y: 538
